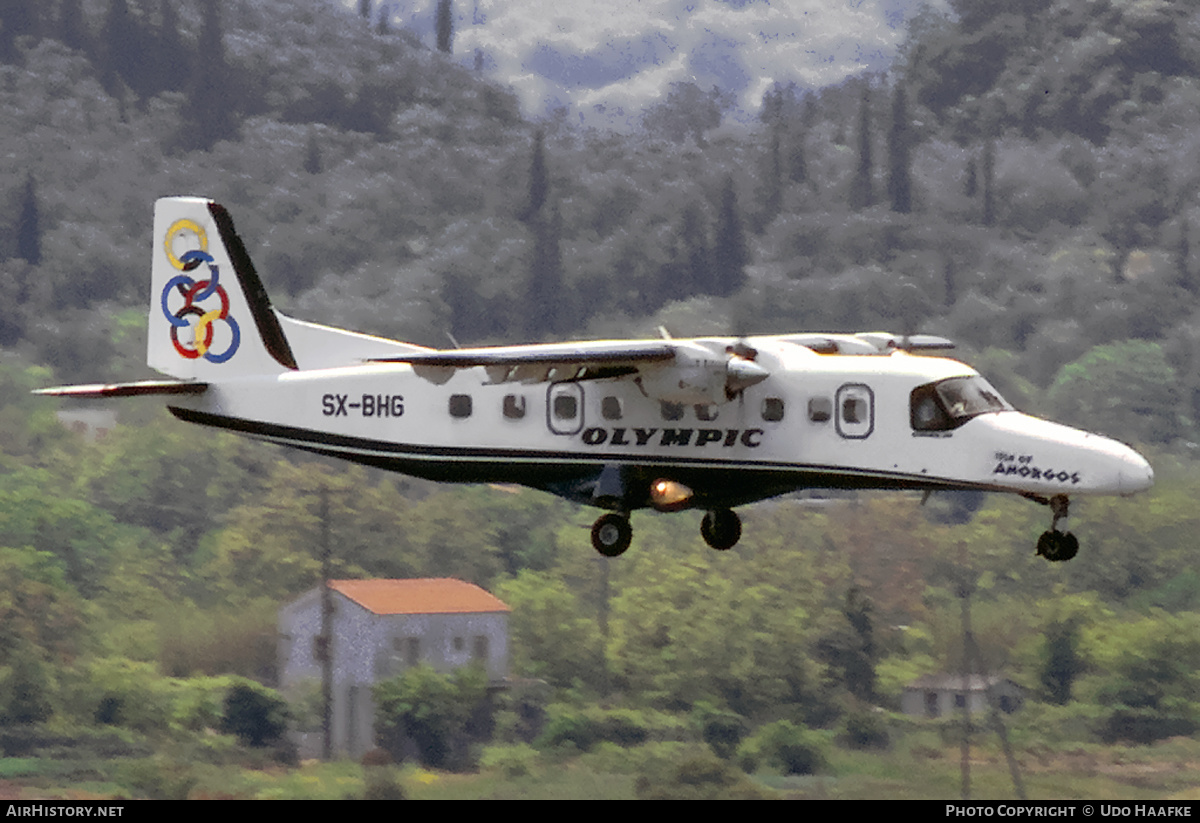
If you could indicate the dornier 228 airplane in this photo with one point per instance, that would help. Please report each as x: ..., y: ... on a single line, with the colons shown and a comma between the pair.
x: 705, y: 423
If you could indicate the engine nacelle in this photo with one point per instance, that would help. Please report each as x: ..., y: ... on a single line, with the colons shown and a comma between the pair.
x: 700, y: 376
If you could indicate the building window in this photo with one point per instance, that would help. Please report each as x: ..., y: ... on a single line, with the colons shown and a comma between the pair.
x: 514, y: 406
x: 459, y: 644
x: 479, y: 650
x: 460, y: 405
x: 772, y: 409
x: 412, y: 651
x: 610, y: 408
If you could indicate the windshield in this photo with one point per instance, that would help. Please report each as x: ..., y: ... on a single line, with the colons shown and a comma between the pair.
x: 950, y: 403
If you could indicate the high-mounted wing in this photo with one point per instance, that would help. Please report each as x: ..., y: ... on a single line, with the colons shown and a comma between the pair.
x: 673, y: 370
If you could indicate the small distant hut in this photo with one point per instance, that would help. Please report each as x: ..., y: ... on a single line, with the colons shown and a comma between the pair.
x: 942, y: 695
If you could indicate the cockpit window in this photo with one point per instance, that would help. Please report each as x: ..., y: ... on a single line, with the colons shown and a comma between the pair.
x: 950, y: 403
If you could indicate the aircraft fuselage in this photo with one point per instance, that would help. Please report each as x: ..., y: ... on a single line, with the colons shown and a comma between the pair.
x: 818, y: 421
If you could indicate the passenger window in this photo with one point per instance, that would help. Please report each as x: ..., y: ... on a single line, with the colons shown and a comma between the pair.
x: 706, y: 413
x: 514, y: 406
x: 671, y: 411
x: 566, y: 407
x: 460, y: 405
x: 772, y: 409
x: 820, y: 409
x: 610, y: 408
x: 855, y: 405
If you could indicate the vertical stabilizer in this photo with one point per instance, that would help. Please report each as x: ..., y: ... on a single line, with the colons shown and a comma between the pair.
x: 209, y: 313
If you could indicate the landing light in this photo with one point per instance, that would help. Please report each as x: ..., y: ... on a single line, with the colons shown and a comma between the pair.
x: 669, y: 496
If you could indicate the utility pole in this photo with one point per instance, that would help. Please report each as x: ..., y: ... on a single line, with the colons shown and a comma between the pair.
x: 326, y: 641
x: 972, y: 659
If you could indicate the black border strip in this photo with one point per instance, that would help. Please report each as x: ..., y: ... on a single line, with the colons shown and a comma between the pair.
x: 269, y: 328
x: 381, y: 453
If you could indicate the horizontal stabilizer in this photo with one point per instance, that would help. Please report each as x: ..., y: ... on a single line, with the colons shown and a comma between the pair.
x: 137, y: 389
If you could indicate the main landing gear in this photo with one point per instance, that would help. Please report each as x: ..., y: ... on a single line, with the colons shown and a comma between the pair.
x: 721, y: 529
x: 611, y: 533
x: 1057, y: 545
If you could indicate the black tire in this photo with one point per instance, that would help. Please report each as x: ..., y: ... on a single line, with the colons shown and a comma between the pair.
x: 1057, y: 547
x: 611, y: 535
x: 721, y: 529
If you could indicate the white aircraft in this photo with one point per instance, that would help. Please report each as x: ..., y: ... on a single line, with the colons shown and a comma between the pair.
x: 705, y: 423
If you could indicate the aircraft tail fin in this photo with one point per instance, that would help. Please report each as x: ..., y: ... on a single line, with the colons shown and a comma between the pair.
x: 210, y: 316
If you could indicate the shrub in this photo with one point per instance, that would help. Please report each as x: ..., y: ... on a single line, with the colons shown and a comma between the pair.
x: 697, y: 775
x: 865, y: 730
x: 722, y: 730
x: 256, y: 714
x: 784, y: 746
x: 584, y: 728
x: 433, y: 710
x: 517, y: 760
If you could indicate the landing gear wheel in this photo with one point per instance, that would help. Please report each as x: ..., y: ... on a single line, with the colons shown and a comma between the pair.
x: 1057, y: 546
x: 721, y: 529
x: 611, y: 534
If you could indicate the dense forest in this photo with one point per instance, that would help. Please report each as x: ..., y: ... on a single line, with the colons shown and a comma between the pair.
x: 1025, y: 181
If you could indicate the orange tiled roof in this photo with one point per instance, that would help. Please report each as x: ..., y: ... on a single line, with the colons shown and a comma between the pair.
x: 427, y: 596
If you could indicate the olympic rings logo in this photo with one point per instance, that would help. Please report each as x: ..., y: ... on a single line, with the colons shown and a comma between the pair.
x: 195, y: 293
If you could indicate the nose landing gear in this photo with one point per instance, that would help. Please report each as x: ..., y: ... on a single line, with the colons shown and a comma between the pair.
x: 1057, y: 545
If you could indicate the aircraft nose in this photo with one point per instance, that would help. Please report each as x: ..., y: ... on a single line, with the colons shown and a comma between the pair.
x: 1135, y: 474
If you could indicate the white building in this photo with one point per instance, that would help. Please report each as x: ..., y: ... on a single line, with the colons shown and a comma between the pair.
x: 382, y: 627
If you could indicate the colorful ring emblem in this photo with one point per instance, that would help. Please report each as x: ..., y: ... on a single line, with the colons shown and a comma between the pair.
x: 196, y: 294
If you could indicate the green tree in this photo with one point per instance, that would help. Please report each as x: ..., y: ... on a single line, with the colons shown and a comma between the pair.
x: 445, y: 26
x: 432, y: 709
x: 29, y: 230
x: 1152, y: 679
x: 553, y: 637
x: 539, y: 180
x: 730, y: 254
x: 209, y: 114
x: 688, y: 111
x: 899, y: 184
x: 544, y: 290
x: 861, y: 188
x: 1127, y: 390
x: 1061, y: 660
x: 72, y: 29
x: 174, y: 58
